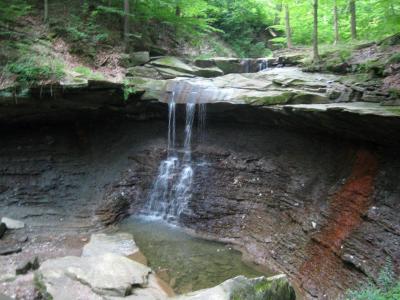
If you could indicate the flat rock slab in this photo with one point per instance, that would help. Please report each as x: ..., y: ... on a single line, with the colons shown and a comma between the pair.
x: 120, y: 243
x: 12, y: 224
x: 361, y: 108
x: 108, y: 275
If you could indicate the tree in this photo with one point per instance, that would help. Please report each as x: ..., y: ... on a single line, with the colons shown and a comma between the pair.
x: 353, y: 21
x: 315, y: 32
x: 287, y: 25
x: 46, y: 10
x: 336, y: 22
x: 126, y: 23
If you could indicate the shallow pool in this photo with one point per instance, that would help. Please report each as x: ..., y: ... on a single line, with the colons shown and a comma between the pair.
x: 185, y: 262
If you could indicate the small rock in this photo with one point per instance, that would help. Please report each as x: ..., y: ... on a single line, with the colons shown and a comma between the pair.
x: 12, y: 224
x: 23, y: 239
x: 314, y: 225
x: 3, y: 229
x: 10, y: 250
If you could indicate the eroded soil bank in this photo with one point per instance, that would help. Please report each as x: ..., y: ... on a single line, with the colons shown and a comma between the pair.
x: 319, y: 208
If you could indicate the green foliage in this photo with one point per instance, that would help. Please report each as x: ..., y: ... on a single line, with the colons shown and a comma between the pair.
x: 243, y: 24
x: 13, y: 9
x: 394, y: 59
x: 128, y: 89
x: 387, y: 288
x: 375, y: 19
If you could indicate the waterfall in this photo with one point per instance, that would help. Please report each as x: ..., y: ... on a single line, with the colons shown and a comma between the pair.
x: 171, y: 191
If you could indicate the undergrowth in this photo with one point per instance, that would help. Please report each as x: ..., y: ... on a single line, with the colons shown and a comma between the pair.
x: 34, y: 66
x: 387, y: 287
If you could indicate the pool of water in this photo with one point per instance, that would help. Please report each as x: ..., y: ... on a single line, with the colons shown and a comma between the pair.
x: 185, y: 262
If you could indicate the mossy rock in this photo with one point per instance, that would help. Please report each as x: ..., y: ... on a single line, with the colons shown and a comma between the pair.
x: 209, y: 72
x: 273, y: 288
x: 172, y: 63
x: 271, y: 98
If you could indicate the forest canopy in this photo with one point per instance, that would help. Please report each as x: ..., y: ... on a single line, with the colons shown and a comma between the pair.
x: 248, y: 26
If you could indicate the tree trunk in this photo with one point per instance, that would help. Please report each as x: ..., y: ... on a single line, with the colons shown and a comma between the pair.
x: 315, y: 33
x: 178, y: 11
x: 46, y: 11
x: 353, y: 19
x: 336, y: 22
x: 126, y: 24
x: 288, y: 29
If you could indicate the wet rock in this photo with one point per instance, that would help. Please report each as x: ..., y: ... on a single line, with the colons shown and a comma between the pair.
x: 119, y: 243
x: 12, y: 224
x: 28, y: 266
x: 113, y: 209
x: 107, y: 275
x: 209, y: 72
x: 3, y: 229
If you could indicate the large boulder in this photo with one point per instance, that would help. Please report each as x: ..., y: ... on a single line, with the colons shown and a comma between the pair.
x: 173, y: 63
x: 108, y: 275
x: 170, y: 67
x: 134, y: 59
x: 12, y: 224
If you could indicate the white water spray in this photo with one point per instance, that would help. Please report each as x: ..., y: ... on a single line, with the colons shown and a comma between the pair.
x: 171, y: 191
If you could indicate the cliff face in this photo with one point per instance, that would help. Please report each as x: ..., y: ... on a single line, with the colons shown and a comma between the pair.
x: 319, y: 208
x: 308, y: 190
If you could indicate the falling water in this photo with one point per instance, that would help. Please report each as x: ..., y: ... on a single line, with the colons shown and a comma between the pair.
x: 171, y: 123
x: 171, y: 190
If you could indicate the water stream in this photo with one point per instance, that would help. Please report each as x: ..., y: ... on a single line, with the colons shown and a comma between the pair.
x: 171, y: 189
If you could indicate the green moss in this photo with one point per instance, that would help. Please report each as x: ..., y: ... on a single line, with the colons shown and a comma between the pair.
x: 88, y: 73
x: 41, y: 287
x: 394, y: 110
x: 282, y: 98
